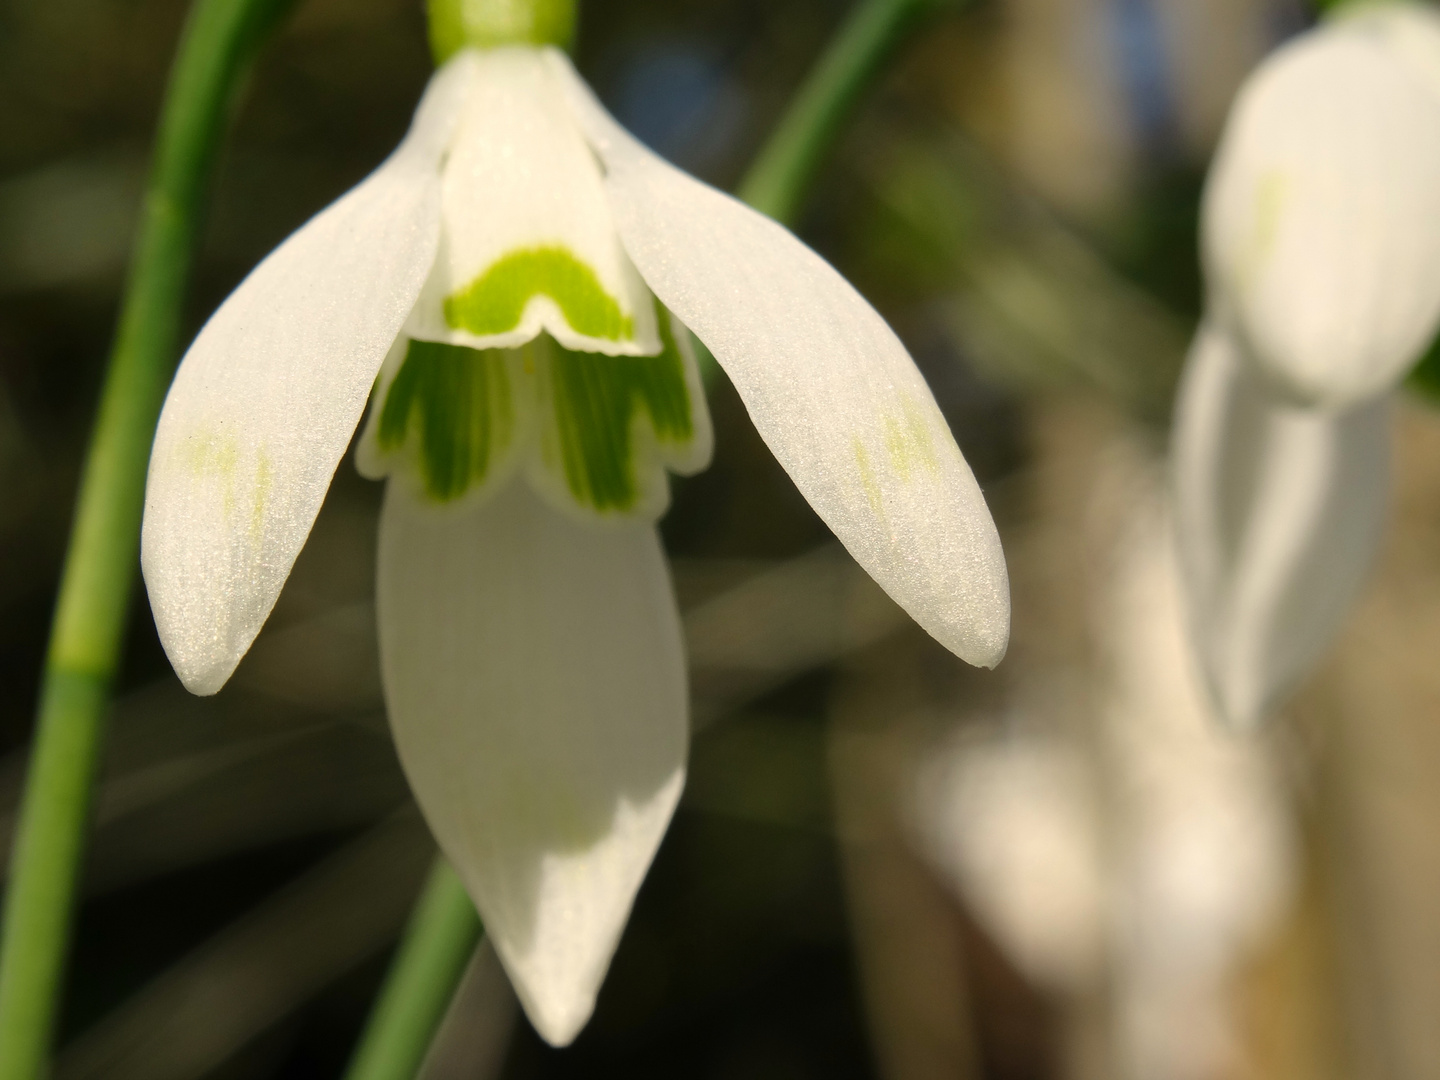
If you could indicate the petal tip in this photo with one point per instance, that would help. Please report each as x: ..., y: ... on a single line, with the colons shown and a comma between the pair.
x: 992, y: 657
x: 205, y: 677
x: 980, y: 638
x: 558, y: 1018
x: 987, y: 648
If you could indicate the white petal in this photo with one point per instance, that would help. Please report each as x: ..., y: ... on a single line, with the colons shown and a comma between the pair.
x: 1410, y: 32
x: 535, y: 679
x: 520, y: 177
x: 1280, y: 509
x: 827, y: 383
x: 267, y: 398
x: 1320, y: 222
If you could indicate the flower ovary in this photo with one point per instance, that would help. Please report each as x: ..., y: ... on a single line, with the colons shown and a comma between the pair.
x: 489, y: 24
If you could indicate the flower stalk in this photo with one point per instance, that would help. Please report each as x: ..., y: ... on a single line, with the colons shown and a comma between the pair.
x: 433, y: 953
x: 219, y: 41
x: 780, y: 176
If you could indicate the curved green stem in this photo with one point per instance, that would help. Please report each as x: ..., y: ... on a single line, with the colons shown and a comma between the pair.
x: 780, y: 176
x: 437, y: 944
x: 219, y: 39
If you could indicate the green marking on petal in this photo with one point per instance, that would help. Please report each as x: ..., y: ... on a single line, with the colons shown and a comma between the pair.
x: 669, y: 399
x: 596, y: 400
x: 909, y: 442
x: 494, y: 302
x: 457, y: 404
x: 868, y: 483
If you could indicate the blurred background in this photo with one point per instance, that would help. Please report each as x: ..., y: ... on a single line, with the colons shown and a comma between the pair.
x: 886, y: 864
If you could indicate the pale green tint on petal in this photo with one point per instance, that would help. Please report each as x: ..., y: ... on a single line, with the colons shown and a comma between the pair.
x: 1279, y: 512
x: 495, y: 302
x: 528, y: 225
x: 610, y: 425
x: 1320, y: 231
x: 535, y: 680
x: 268, y: 396
x: 828, y: 385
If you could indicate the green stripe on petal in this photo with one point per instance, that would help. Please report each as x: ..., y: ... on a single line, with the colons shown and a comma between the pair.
x: 604, y: 408
x: 457, y: 405
x: 495, y: 302
x: 668, y: 400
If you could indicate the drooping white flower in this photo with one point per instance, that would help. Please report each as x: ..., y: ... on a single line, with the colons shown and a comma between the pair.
x: 515, y: 282
x: 1321, y: 235
x: 1320, y: 228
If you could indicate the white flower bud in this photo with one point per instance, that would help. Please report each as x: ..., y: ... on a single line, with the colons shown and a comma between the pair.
x: 1321, y: 219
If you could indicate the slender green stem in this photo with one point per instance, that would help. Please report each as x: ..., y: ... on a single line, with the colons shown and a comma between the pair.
x: 780, y: 176
x: 220, y: 38
x: 434, y: 950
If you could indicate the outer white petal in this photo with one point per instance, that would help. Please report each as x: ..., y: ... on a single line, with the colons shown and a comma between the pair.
x: 1321, y: 219
x: 268, y: 395
x: 1280, y: 509
x: 520, y: 176
x: 1410, y: 31
x: 535, y: 679
x: 827, y: 383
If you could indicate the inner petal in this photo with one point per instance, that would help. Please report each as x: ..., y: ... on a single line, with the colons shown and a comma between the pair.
x: 453, y: 419
x: 595, y: 433
x: 528, y: 243
x: 608, y: 427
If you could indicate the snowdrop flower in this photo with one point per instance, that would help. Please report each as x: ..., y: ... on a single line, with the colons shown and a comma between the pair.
x: 516, y: 282
x: 1321, y: 236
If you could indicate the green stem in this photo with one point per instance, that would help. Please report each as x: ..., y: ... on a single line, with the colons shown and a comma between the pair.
x: 780, y: 176
x: 434, y: 950
x: 219, y: 39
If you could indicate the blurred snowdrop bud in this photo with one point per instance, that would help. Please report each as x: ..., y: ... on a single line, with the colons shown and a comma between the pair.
x: 1010, y: 821
x: 1279, y: 510
x: 1321, y: 218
